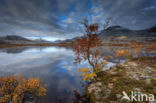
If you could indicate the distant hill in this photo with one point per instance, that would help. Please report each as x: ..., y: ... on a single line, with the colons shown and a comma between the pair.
x: 122, y: 34
x: 111, y: 34
x: 116, y: 33
x: 121, y: 31
x: 67, y: 40
x: 14, y: 39
x: 152, y: 30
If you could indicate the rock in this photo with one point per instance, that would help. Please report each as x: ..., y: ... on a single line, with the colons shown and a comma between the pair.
x: 132, y: 64
x: 113, y: 72
x: 134, y: 76
x: 107, y: 92
x: 137, y: 89
x: 97, y: 96
x: 110, y: 85
x: 148, y: 81
x: 113, y: 68
x: 96, y: 87
x: 114, y: 79
x: 145, y: 77
x: 118, y: 96
x: 148, y: 69
x: 98, y: 84
x: 140, y: 73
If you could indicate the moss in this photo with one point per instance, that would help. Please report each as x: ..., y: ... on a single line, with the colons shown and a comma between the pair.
x: 119, y: 68
x: 122, y: 84
x: 121, y: 80
x: 144, y: 58
x: 92, y: 98
x: 153, y: 82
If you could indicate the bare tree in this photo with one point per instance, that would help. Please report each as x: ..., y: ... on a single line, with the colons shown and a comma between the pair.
x: 107, y: 23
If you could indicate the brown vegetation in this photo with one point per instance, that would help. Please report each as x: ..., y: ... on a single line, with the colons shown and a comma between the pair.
x: 16, y: 89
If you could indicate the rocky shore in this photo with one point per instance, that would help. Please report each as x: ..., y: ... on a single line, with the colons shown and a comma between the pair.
x: 138, y: 74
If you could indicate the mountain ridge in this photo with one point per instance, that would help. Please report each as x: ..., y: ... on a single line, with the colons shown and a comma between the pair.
x: 111, y: 34
x: 121, y: 34
x: 15, y: 39
x: 122, y: 31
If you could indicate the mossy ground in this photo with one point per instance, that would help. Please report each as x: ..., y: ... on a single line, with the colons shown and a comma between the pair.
x: 133, y: 75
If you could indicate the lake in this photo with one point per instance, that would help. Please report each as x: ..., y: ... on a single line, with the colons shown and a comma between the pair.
x: 53, y: 65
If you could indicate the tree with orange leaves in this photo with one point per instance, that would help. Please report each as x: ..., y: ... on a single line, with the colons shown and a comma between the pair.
x: 83, y: 50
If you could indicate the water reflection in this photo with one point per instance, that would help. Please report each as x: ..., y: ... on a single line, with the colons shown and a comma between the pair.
x: 31, y: 49
x: 53, y: 65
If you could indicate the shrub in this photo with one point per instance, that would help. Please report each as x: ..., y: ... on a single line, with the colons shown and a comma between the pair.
x: 15, y: 89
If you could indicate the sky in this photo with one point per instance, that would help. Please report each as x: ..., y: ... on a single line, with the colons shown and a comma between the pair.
x: 61, y: 19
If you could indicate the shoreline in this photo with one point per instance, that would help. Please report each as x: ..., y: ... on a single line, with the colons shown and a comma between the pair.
x: 138, y: 74
x: 150, y: 45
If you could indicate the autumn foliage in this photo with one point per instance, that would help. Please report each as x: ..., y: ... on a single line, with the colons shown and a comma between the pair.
x: 137, y: 47
x: 85, y: 49
x: 15, y: 89
x: 129, y: 53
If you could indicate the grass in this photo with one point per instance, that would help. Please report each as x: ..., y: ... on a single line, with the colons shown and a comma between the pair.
x: 122, y: 83
x: 144, y: 58
x: 118, y: 82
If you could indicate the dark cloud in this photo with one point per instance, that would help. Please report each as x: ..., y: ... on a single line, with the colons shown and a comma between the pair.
x: 60, y: 18
x: 134, y: 14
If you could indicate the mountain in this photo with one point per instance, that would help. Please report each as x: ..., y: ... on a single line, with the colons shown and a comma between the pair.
x: 118, y: 33
x: 67, y: 40
x: 111, y: 34
x: 121, y: 31
x: 122, y: 34
x: 14, y: 39
x: 152, y: 30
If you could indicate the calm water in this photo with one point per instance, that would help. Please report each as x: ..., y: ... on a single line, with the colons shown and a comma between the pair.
x: 53, y: 65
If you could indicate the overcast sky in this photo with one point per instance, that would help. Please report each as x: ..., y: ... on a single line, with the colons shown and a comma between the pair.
x: 60, y: 19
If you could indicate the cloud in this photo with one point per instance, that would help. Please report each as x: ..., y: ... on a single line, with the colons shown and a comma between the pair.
x: 126, y: 12
x: 61, y: 18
